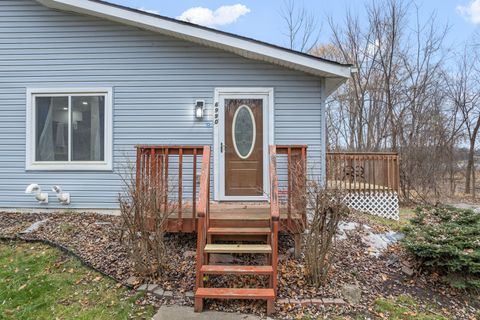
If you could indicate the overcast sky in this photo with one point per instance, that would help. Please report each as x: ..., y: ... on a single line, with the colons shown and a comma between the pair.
x: 260, y: 19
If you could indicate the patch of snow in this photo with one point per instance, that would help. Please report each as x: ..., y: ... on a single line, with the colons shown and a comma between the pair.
x: 376, y: 242
x: 473, y: 207
x: 343, y: 227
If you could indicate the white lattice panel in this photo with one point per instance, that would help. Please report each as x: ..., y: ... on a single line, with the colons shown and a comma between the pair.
x: 380, y: 204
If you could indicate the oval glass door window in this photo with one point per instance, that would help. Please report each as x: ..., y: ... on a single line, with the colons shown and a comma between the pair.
x: 244, y: 131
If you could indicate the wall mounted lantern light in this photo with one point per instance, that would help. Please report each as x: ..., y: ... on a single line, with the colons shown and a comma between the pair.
x: 199, y: 105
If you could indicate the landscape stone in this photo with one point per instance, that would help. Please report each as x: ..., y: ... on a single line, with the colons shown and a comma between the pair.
x: 352, y: 293
x: 168, y: 294
x: 335, y: 301
x: 317, y: 301
x: 152, y: 287
x: 306, y: 302
x: 283, y: 301
x: 102, y: 223
x: 190, y: 295
x: 147, y: 287
x: 132, y: 281
x: 407, y: 270
x: 159, y: 292
x: 143, y: 287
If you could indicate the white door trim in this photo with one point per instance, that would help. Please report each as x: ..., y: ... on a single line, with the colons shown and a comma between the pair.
x: 218, y: 136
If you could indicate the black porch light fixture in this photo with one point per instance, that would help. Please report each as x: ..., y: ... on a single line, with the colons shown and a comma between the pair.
x: 199, y: 105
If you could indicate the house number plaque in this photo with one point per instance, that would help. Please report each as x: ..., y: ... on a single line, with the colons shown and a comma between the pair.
x: 215, y: 115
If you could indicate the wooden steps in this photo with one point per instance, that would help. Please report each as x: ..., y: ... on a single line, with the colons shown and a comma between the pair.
x: 234, y: 269
x: 241, y: 231
x: 238, y: 229
x: 238, y: 248
x: 235, y: 293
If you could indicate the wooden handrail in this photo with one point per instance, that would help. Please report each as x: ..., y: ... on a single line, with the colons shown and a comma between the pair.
x: 204, y: 183
x: 363, y: 171
x: 274, y: 207
x: 274, y: 215
x: 203, y: 214
x: 173, y: 149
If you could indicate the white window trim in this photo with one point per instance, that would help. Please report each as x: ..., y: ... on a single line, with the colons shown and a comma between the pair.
x: 31, y: 164
x: 268, y: 127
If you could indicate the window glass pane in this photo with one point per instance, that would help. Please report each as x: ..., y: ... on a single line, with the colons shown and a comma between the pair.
x: 51, y: 128
x: 243, y: 131
x: 88, y: 128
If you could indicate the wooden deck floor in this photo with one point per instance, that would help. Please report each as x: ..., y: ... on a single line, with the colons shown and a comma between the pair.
x: 230, y: 215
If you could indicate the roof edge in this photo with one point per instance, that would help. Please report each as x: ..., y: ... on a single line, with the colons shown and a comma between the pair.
x: 246, y: 47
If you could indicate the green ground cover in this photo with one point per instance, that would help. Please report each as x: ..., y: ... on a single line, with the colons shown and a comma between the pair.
x: 40, y: 282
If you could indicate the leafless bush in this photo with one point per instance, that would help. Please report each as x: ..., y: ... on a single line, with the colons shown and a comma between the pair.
x: 145, y: 208
x: 326, y: 210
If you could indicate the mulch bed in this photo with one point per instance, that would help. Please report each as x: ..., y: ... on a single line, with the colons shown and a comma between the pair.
x: 95, y: 239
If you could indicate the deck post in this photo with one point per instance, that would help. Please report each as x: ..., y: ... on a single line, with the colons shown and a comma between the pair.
x: 198, y: 307
x: 194, y: 192
x: 203, y: 217
x: 270, y: 306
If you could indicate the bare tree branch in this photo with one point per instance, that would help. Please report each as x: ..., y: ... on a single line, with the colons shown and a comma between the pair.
x: 302, y: 27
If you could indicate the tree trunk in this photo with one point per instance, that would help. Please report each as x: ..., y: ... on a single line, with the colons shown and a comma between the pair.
x: 468, y: 173
x: 471, y: 159
x: 473, y: 177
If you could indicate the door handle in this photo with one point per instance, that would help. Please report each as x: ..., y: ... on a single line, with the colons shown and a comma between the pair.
x: 222, y: 146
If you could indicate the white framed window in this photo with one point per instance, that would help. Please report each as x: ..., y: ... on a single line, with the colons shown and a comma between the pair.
x: 69, y: 129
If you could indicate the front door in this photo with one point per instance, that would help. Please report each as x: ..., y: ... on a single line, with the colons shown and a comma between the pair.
x: 243, y: 147
x: 243, y: 131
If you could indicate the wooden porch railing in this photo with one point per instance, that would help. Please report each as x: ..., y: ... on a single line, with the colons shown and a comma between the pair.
x: 165, y: 166
x: 203, y: 216
x: 274, y: 215
x: 363, y: 171
x: 296, y: 156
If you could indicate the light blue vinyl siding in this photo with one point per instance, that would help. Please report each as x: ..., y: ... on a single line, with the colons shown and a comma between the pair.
x: 155, y: 81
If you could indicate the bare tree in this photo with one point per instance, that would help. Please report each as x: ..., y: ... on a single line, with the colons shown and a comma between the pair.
x: 371, y: 95
x: 396, y: 100
x: 464, y: 91
x: 302, y: 26
x: 426, y: 128
x: 387, y: 20
x: 402, y: 97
